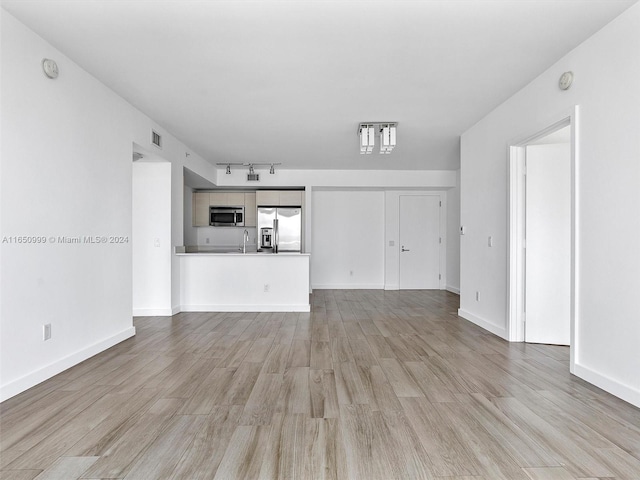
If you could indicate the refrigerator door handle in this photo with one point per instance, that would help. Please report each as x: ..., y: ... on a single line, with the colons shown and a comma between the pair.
x: 276, y: 236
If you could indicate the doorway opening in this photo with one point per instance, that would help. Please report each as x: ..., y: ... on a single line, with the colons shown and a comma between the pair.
x: 542, y: 235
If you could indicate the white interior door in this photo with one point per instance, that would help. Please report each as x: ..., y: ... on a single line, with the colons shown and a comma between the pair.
x: 548, y: 244
x: 419, y: 242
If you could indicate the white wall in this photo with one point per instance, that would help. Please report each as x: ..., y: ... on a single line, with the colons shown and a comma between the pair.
x: 607, y: 89
x: 453, y: 237
x: 346, y: 179
x: 190, y: 232
x: 66, y: 171
x: 151, y: 238
x: 348, y: 239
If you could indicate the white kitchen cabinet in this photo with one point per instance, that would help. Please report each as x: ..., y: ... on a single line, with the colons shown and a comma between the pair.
x: 201, y: 209
x: 234, y: 282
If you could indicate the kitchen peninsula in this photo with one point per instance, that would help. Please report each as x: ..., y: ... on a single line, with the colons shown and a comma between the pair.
x: 244, y: 282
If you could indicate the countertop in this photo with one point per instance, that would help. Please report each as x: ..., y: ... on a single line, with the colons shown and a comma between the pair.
x: 226, y: 251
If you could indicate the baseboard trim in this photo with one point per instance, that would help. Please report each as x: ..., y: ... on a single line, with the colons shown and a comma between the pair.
x: 153, y: 312
x: 349, y: 286
x: 451, y: 289
x: 32, y: 379
x: 246, y: 308
x: 620, y: 390
x: 481, y: 322
x: 392, y: 287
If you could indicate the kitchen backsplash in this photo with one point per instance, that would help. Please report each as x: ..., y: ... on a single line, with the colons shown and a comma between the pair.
x: 224, y: 236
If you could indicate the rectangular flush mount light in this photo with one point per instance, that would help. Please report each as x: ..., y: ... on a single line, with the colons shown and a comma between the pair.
x: 387, y: 138
x: 367, y: 132
x: 367, y: 139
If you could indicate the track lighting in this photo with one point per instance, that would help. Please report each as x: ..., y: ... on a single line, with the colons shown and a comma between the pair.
x: 272, y: 167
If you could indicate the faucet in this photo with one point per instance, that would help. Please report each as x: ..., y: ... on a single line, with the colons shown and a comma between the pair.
x: 245, y: 239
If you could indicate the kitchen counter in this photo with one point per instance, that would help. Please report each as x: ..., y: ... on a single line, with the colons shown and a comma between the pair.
x: 262, y: 254
x: 251, y: 250
x: 232, y: 281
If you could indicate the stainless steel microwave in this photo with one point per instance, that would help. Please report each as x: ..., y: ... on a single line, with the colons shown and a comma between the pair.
x: 226, y: 216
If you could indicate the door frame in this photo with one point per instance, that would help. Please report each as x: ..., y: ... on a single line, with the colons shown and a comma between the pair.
x: 516, y: 222
x: 442, y: 225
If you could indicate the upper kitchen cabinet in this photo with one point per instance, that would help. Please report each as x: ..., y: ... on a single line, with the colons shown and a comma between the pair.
x: 267, y: 198
x: 281, y: 198
x: 203, y: 200
x: 235, y: 199
x: 249, y: 209
x: 201, y: 209
x: 226, y: 199
x: 218, y: 199
x: 290, y: 198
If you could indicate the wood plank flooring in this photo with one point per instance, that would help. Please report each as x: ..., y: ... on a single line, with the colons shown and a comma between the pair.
x: 369, y: 385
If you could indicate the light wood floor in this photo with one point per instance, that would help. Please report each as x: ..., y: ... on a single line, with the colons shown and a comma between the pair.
x: 370, y: 385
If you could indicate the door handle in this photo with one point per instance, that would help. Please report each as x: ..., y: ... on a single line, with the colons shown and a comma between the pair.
x: 405, y: 249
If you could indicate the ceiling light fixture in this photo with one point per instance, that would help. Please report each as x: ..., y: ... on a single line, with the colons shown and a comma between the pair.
x: 387, y: 138
x: 367, y: 132
x: 251, y: 166
x: 367, y: 138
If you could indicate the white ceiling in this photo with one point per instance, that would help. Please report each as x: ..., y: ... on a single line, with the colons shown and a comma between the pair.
x: 284, y: 81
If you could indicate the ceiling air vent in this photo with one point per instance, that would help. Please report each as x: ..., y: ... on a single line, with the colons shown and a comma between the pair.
x: 253, y: 177
x: 156, y: 139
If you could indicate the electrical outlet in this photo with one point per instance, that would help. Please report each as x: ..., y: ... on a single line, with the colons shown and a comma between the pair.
x: 46, y: 331
x: 351, y: 273
x: 477, y: 296
x: 266, y: 287
x: 207, y: 240
x: 157, y: 242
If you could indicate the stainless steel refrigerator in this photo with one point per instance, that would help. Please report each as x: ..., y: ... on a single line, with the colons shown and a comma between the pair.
x: 279, y: 229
